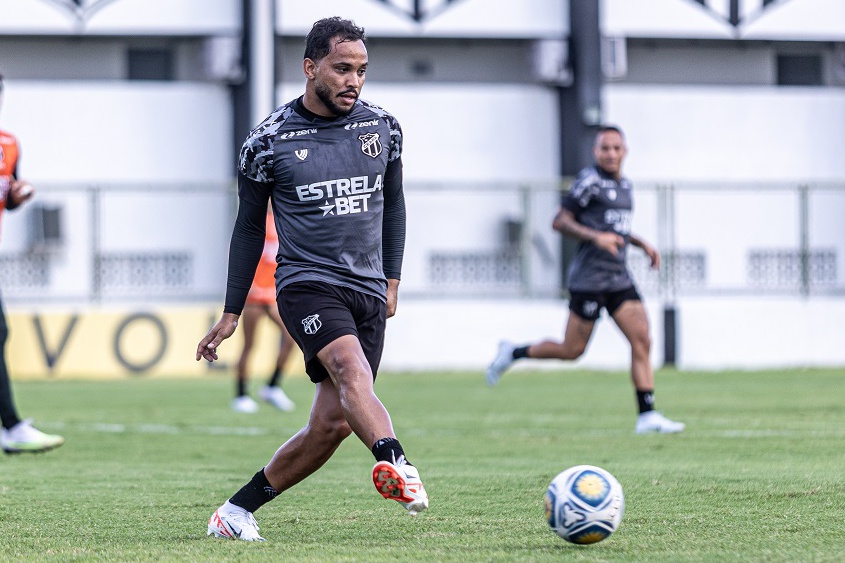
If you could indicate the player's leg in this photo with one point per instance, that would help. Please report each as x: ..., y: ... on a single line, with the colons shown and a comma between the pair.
x: 17, y: 435
x: 272, y: 392
x: 313, y: 445
x: 341, y: 334
x: 393, y: 475
x: 631, y: 318
x: 348, y: 368
x: 8, y: 412
x: 296, y: 459
x: 576, y: 336
x: 583, y: 312
x: 250, y: 316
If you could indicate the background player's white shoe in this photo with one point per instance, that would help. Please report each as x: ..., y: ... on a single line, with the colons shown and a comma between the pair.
x: 22, y: 437
x: 244, y: 403
x: 502, y: 361
x: 276, y: 397
x: 401, y: 482
x: 233, y: 522
x: 653, y: 421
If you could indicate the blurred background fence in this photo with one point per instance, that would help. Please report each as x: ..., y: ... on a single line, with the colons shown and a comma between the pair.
x: 102, y: 243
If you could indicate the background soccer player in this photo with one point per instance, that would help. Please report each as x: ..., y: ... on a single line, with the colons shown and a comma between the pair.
x: 17, y: 435
x: 331, y: 164
x: 597, y: 212
x: 260, y: 302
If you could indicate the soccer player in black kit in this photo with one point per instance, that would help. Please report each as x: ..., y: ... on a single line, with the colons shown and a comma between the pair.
x: 331, y: 166
x: 597, y: 212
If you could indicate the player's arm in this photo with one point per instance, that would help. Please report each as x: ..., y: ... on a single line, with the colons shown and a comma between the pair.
x: 20, y: 191
x: 245, y: 251
x: 652, y: 253
x: 566, y: 223
x: 393, y: 231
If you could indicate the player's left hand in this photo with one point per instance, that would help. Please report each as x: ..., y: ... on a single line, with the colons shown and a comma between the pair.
x: 653, y: 255
x: 392, y: 297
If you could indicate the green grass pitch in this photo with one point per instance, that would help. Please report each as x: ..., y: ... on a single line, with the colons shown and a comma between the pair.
x: 757, y: 476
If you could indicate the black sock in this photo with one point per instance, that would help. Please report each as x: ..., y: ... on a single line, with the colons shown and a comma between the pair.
x: 254, y: 494
x: 645, y: 400
x: 8, y: 412
x: 274, y: 378
x: 521, y: 352
x: 240, y: 388
x: 388, y: 449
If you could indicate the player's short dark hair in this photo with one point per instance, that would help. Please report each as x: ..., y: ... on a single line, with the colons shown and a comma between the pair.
x: 318, y: 43
x: 610, y: 129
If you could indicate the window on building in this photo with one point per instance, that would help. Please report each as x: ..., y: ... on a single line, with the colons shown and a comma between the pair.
x: 150, y: 64
x: 799, y: 70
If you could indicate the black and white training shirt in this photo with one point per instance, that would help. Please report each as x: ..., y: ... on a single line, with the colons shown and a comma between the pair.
x: 336, y: 190
x: 600, y: 202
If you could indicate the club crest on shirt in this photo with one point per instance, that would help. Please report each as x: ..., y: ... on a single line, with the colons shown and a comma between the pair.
x: 301, y: 154
x: 370, y: 144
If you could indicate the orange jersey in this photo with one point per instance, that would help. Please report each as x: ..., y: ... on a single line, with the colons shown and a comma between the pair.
x: 9, y: 153
x: 263, y: 290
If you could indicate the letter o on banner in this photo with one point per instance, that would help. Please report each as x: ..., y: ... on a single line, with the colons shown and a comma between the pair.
x: 137, y: 367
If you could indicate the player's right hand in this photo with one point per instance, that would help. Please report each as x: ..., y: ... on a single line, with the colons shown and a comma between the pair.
x: 610, y: 242
x: 222, y: 329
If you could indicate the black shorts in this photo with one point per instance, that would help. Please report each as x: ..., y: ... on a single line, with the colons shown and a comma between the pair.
x: 588, y: 304
x: 318, y: 313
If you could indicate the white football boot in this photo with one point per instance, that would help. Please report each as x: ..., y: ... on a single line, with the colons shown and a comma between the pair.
x: 276, y: 397
x: 24, y: 438
x: 233, y: 522
x: 244, y: 403
x: 401, y: 482
x: 502, y: 361
x: 653, y: 421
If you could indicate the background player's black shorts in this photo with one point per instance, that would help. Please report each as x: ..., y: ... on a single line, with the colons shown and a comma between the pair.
x: 317, y: 313
x: 588, y: 304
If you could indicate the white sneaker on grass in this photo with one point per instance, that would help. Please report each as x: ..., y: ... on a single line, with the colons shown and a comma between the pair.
x: 653, y: 421
x: 24, y: 438
x: 244, y: 403
x: 502, y: 361
x: 276, y: 397
x: 401, y: 482
x: 233, y: 522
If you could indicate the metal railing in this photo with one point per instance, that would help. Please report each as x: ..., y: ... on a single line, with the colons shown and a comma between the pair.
x: 98, y: 243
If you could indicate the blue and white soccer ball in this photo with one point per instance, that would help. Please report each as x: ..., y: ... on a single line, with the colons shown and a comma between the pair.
x: 584, y: 504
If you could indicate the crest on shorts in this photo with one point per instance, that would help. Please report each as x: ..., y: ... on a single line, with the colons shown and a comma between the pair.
x: 312, y: 324
x: 590, y: 308
x: 370, y: 144
x: 301, y: 154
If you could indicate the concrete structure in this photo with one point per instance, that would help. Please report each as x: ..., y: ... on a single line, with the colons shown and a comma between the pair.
x: 733, y: 111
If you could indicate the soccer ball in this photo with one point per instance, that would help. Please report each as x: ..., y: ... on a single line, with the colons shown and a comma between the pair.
x: 584, y: 504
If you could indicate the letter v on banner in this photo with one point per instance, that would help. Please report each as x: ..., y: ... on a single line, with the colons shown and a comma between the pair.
x: 52, y: 356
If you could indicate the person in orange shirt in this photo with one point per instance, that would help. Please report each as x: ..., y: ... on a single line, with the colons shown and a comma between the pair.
x: 17, y: 435
x: 261, y: 301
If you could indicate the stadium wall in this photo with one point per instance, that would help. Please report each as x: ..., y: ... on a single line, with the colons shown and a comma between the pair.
x: 458, y: 334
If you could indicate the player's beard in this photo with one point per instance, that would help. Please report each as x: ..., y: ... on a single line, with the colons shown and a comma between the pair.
x: 325, y: 96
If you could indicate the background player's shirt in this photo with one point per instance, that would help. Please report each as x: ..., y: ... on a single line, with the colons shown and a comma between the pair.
x: 329, y: 181
x: 263, y: 289
x: 9, y: 152
x: 600, y: 202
